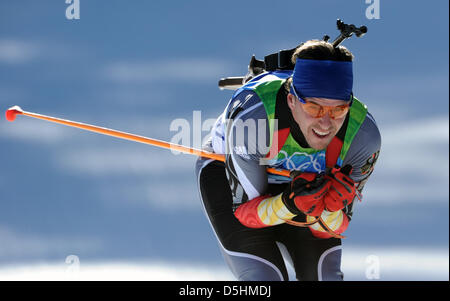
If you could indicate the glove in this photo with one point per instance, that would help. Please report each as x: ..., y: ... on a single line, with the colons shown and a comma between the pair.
x: 342, y: 190
x: 306, y: 193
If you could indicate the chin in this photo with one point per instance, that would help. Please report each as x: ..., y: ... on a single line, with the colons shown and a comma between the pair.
x: 319, y: 145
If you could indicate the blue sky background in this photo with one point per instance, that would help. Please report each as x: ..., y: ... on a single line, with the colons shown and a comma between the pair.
x: 136, y: 66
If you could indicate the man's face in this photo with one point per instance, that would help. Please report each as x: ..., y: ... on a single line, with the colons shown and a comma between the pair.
x: 320, y: 131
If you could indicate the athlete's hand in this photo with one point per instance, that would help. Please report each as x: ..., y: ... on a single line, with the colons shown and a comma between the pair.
x: 306, y: 193
x: 342, y: 190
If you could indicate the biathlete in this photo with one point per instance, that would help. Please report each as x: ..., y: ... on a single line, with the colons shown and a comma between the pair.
x: 305, y: 120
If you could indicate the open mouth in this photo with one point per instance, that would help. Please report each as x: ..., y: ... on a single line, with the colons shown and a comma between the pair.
x: 320, y: 134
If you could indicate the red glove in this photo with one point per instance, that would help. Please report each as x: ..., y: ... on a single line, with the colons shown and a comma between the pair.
x: 342, y: 190
x: 306, y: 193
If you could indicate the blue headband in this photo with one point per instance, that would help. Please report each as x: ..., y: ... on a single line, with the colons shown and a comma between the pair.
x: 325, y: 79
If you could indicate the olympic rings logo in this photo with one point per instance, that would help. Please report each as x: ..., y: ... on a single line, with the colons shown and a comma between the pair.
x: 302, y: 161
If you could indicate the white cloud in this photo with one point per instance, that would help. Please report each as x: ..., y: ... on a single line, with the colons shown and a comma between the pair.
x: 110, y: 162
x: 72, y: 152
x: 32, y: 131
x: 394, y: 264
x: 132, y: 96
x: 413, y: 163
x: 116, y: 271
x: 181, y: 196
x: 14, y: 244
x: 389, y: 192
x: 15, y: 51
x: 188, y: 69
x: 427, y: 130
x: 169, y: 194
x: 390, y: 88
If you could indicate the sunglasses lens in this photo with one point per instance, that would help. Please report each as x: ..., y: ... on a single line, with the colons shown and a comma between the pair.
x: 317, y: 111
x: 314, y: 110
x: 339, y: 111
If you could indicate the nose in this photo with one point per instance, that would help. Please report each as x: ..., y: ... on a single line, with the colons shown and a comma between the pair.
x: 325, y: 121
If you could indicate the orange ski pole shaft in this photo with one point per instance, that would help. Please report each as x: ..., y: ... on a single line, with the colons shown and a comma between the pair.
x: 12, y: 112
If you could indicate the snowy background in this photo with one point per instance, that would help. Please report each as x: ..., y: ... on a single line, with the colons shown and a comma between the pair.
x: 128, y: 211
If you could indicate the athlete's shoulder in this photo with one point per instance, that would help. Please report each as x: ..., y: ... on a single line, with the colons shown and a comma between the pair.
x: 364, y: 149
x: 244, y: 104
x: 369, y: 132
x: 244, y: 109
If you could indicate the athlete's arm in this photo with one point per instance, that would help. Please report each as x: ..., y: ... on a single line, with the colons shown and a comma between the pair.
x: 246, y: 132
x: 363, y: 153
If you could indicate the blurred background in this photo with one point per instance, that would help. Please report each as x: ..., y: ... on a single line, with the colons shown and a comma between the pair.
x: 78, y: 205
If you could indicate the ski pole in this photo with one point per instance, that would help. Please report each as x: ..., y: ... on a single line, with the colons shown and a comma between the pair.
x: 12, y: 112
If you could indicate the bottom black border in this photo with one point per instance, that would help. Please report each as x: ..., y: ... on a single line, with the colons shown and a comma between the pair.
x: 214, y: 290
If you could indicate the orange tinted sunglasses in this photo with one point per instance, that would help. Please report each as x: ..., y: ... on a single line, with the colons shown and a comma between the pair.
x: 317, y: 111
